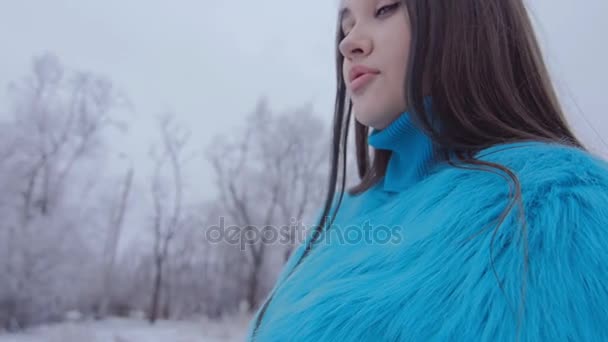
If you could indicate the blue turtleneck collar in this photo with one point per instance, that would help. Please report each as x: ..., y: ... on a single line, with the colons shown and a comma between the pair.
x: 412, y: 152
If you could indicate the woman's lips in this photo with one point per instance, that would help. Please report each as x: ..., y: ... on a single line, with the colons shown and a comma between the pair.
x: 357, y: 84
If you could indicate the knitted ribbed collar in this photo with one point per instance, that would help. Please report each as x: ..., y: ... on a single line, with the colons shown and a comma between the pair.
x: 412, y: 154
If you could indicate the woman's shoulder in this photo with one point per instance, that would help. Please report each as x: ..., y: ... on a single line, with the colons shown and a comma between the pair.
x: 548, y: 162
x: 538, y: 166
x: 565, y: 196
x: 549, y: 176
x: 560, y: 243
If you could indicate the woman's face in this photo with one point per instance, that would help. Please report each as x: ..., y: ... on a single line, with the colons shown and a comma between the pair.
x: 375, y: 49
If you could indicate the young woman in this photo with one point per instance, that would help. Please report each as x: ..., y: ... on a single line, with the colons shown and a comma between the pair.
x: 479, y: 215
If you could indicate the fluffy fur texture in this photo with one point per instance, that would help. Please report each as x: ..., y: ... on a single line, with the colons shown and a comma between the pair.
x: 435, y: 278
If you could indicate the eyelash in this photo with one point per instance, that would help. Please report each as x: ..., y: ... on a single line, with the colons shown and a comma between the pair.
x: 388, y: 8
x: 384, y: 10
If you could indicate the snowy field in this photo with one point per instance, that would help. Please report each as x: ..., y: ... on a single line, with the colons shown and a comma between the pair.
x: 132, y: 330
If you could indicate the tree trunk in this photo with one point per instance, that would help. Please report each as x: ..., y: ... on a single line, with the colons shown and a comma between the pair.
x: 253, y: 289
x: 156, y: 290
x: 252, y: 295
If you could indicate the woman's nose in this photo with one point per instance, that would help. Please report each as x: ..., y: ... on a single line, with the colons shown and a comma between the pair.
x: 355, y: 45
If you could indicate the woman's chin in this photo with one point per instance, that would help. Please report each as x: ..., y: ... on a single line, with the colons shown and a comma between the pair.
x: 370, y: 120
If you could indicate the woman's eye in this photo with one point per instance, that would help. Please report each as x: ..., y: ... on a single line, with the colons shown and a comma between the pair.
x: 387, y: 9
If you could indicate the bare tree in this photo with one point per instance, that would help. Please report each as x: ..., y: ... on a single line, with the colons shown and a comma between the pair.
x: 270, y: 175
x: 59, y: 117
x: 117, y: 216
x: 167, y: 194
x: 63, y: 117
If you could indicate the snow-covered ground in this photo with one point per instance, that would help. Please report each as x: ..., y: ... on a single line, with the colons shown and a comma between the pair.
x: 133, y: 330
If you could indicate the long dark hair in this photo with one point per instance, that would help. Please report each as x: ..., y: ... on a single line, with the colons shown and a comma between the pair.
x: 481, y: 63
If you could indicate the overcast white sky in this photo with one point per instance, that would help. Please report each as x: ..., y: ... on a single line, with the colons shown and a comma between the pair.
x: 210, y: 60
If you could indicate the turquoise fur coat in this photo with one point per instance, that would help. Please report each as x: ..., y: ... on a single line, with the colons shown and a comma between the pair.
x: 420, y: 256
